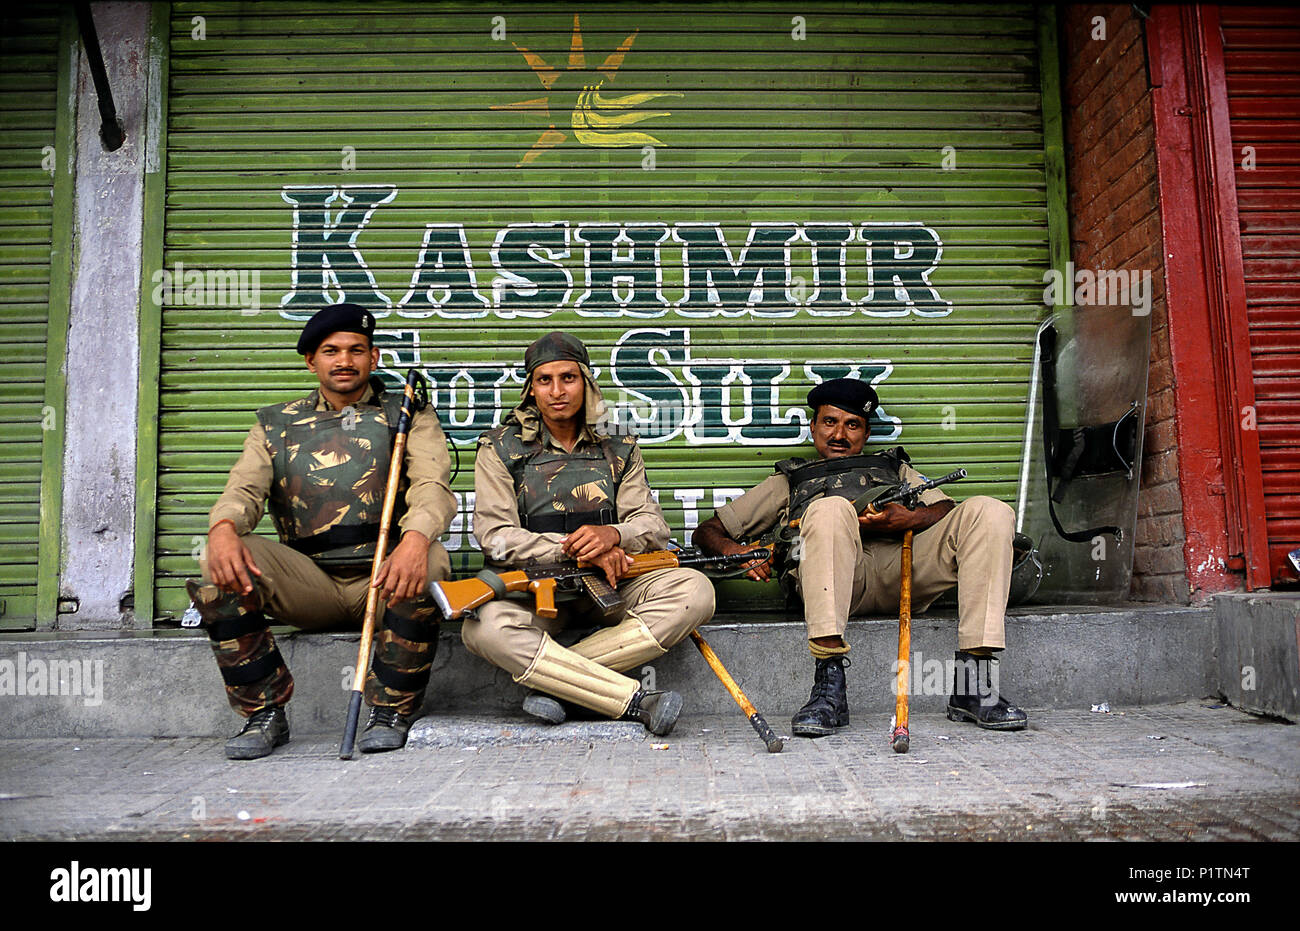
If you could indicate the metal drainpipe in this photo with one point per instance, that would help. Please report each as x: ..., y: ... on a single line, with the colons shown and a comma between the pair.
x: 110, y: 129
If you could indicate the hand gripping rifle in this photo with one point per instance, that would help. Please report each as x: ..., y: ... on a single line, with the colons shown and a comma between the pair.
x: 880, y: 497
x: 411, y: 402
x: 873, y: 502
x: 569, y: 577
x: 542, y: 582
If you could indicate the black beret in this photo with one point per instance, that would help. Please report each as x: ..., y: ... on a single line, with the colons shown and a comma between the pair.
x: 337, y: 318
x: 848, y: 394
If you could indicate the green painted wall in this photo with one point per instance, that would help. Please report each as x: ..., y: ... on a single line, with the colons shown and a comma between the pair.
x: 29, y: 119
x: 727, y: 208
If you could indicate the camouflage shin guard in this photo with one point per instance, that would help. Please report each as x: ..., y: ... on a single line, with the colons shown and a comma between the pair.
x: 404, y: 652
x: 254, y: 672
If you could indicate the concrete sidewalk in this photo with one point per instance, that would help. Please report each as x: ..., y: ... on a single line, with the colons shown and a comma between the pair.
x: 1191, y: 770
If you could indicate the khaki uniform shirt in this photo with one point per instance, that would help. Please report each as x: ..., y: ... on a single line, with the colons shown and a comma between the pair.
x: 758, y: 510
x: 641, y: 526
x: 430, y: 505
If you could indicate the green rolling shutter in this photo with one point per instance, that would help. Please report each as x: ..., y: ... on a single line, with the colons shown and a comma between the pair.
x: 29, y: 114
x: 726, y: 208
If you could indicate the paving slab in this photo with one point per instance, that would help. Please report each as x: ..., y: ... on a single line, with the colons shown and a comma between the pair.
x: 1183, y: 771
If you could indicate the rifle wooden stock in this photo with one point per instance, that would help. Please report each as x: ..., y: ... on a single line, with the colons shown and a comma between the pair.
x: 456, y: 598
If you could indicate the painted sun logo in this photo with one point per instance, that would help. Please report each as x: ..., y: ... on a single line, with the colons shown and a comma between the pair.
x: 595, y: 119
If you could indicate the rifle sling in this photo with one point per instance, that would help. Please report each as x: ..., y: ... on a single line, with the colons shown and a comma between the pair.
x: 493, y: 581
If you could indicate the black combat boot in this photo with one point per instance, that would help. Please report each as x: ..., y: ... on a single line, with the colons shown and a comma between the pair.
x: 385, y: 730
x: 828, y: 705
x: 399, y: 674
x: 657, y: 710
x: 554, y: 710
x: 264, y: 730
x: 975, y: 697
x: 541, y: 705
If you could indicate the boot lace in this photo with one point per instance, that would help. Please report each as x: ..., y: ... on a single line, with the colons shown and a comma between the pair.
x: 260, y: 720
x: 821, y: 678
x: 382, y: 717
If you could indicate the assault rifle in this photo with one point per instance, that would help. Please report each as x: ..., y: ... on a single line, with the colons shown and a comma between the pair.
x: 875, y: 500
x: 571, y: 577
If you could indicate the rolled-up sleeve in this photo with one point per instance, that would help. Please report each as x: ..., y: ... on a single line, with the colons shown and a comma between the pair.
x: 430, y: 505
x: 757, y: 510
x: 641, y: 525
x: 247, y: 486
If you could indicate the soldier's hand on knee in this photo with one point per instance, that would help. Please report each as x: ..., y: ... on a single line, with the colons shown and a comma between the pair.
x: 590, y: 541
x: 229, y: 560
x: 404, y: 573
x: 615, y: 562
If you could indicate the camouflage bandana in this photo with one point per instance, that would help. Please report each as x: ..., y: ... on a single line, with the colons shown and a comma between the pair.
x: 558, y: 347
x: 555, y: 347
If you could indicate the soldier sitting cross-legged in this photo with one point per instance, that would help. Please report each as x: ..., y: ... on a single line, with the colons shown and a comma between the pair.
x: 551, y: 486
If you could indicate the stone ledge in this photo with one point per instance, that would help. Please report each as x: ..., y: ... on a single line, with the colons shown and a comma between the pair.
x: 165, y: 684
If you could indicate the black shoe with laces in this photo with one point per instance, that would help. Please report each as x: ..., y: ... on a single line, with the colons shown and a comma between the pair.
x: 657, y: 710
x: 975, y: 697
x: 385, y: 730
x: 265, y: 729
x: 541, y: 705
x: 828, y: 705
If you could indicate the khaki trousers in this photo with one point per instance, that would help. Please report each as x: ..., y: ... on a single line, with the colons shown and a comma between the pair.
x: 971, y: 546
x: 669, y: 602
x: 298, y: 592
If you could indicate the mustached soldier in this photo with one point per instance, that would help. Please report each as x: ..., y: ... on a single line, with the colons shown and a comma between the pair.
x: 549, y: 486
x: 850, y: 564
x: 323, y: 461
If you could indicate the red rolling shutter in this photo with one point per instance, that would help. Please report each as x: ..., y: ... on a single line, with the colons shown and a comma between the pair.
x: 1261, y: 47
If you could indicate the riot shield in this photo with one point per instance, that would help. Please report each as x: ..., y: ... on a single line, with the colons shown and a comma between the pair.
x: 1081, y: 460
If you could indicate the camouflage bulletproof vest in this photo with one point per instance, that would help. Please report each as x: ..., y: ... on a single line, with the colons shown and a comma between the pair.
x: 846, y: 477
x: 331, y: 471
x: 558, y: 492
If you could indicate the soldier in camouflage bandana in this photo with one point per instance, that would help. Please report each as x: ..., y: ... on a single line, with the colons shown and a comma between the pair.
x: 551, y: 484
x: 320, y: 464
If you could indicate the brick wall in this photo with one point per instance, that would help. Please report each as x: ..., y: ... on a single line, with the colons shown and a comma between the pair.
x: 1115, y: 224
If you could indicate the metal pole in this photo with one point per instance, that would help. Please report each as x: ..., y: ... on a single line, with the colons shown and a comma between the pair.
x: 110, y: 129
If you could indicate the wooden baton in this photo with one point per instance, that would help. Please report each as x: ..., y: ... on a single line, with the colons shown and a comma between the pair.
x: 774, y: 743
x: 381, y: 552
x: 901, y: 740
